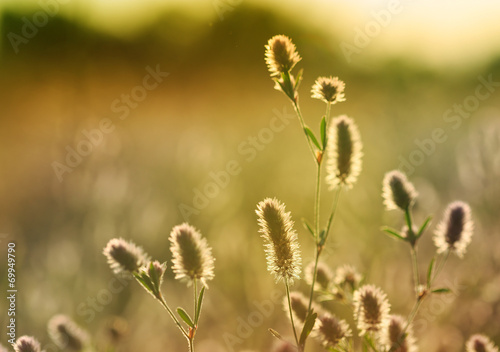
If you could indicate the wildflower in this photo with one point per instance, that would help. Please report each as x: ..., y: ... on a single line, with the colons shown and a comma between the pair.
x: 397, y: 191
x: 323, y: 276
x: 347, y: 275
x: 371, y: 308
x: 156, y: 272
x: 281, y: 55
x: 328, y: 89
x: 192, y: 257
x: 27, y: 344
x: 344, y: 153
x: 330, y: 330
x: 123, y: 256
x: 282, y: 248
x: 66, y: 334
x: 480, y: 343
x: 454, y: 232
x: 392, y: 336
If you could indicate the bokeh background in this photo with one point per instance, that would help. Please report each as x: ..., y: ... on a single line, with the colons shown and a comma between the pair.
x: 65, y: 68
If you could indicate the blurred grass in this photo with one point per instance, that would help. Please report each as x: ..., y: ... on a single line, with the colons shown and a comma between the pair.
x: 218, y: 94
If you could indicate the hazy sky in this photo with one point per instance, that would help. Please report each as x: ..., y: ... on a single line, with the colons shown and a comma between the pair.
x: 439, y: 31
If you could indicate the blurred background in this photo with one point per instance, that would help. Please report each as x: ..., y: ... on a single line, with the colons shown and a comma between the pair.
x: 126, y: 118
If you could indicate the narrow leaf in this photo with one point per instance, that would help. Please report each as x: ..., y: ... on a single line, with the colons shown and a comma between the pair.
x: 322, y: 237
x: 323, y: 132
x: 393, y: 233
x: 441, y: 290
x: 429, y: 271
x: 424, y: 226
x: 200, y: 302
x: 298, y: 79
x: 308, y: 227
x: 312, y: 137
x: 308, y: 326
x: 275, y: 333
x: 145, y: 281
x: 182, y: 313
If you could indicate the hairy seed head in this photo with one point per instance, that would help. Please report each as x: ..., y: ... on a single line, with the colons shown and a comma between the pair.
x: 454, y: 232
x: 66, y: 334
x: 397, y: 191
x: 280, y: 240
x: 480, y: 343
x: 393, y: 338
x: 330, y: 330
x: 371, y: 308
x: 346, y: 276
x: 27, y: 344
x: 344, y: 153
x: 324, y: 276
x: 281, y: 55
x: 124, y: 257
x: 328, y: 89
x: 192, y: 257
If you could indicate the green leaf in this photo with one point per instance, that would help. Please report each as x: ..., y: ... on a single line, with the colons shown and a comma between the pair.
x: 184, y: 316
x: 393, y: 233
x: 322, y: 237
x: 429, y: 271
x: 308, y: 326
x: 312, y: 137
x: 198, y: 308
x: 308, y: 227
x: 275, y: 334
x: 322, y: 129
x: 145, y: 281
x: 424, y: 226
x: 441, y: 290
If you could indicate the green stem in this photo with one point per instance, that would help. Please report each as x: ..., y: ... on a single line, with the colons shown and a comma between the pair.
x: 316, y: 260
x: 303, y: 125
x: 165, y: 305
x: 291, y: 314
x: 191, y: 345
x: 195, y: 303
x: 416, y: 275
x: 440, y: 267
x: 332, y: 215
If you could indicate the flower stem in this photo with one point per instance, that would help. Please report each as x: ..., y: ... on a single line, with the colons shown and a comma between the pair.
x: 303, y: 125
x: 416, y: 276
x: 291, y: 315
x: 165, y: 305
x: 332, y: 215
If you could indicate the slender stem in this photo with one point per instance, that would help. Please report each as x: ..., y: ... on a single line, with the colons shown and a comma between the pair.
x: 291, y: 315
x: 191, y: 345
x: 316, y: 260
x: 440, y: 266
x: 317, y: 198
x: 195, y: 303
x: 303, y: 125
x: 334, y: 209
x: 165, y: 305
x: 416, y: 276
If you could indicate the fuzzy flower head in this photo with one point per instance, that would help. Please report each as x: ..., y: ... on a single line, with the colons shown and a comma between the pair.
x: 280, y: 240
x: 328, y: 89
x: 480, y: 343
x: 66, y: 334
x: 124, y: 257
x: 397, y: 191
x: 330, y: 330
x: 392, y: 335
x: 324, y: 276
x: 347, y: 276
x: 281, y: 55
x: 344, y: 153
x: 192, y: 257
x: 454, y: 232
x: 27, y: 344
x: 371, y: 309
